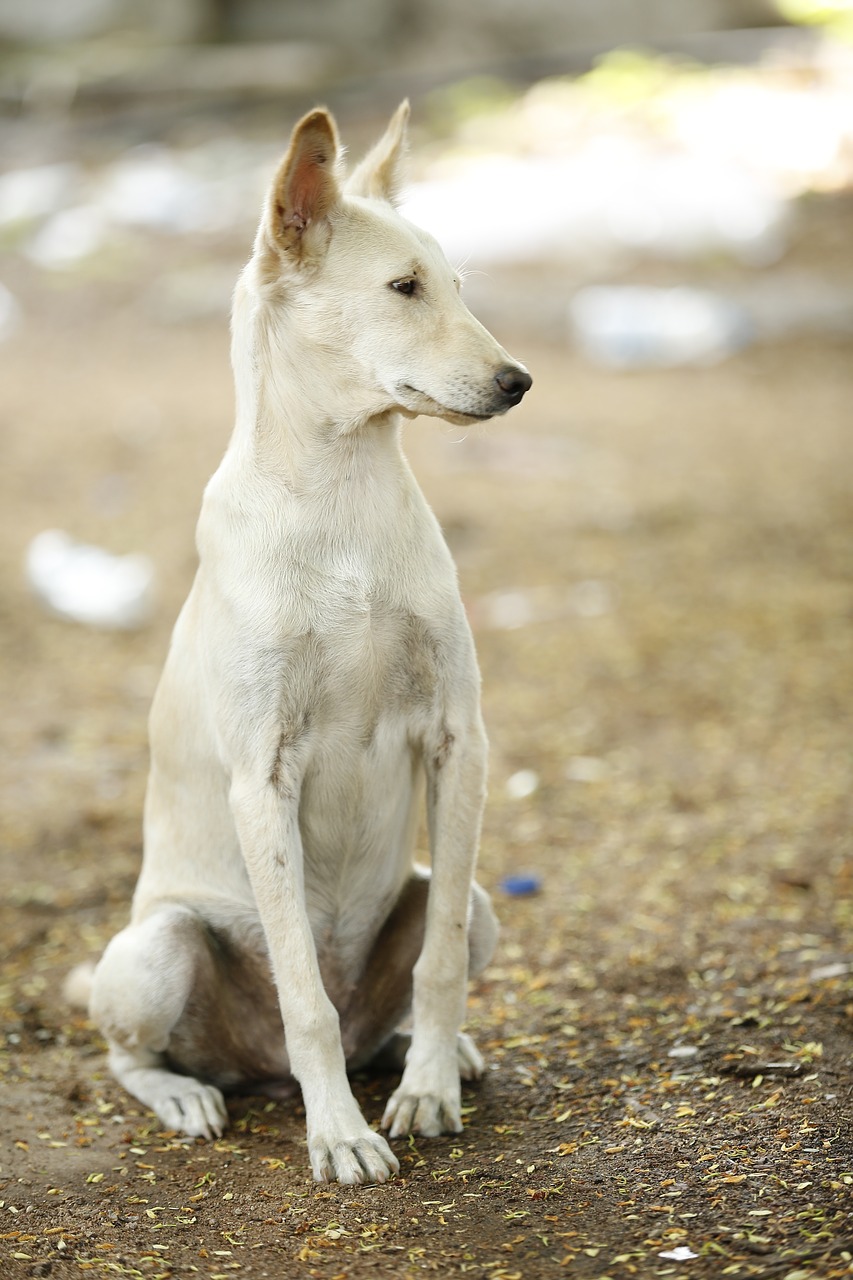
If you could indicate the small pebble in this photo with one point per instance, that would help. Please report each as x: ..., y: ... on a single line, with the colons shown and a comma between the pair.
x: 522, y: 784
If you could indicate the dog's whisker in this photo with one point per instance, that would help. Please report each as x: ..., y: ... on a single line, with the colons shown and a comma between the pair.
x: 460, y: 437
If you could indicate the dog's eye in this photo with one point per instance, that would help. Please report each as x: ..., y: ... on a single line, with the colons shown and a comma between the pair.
x: 408, y: 286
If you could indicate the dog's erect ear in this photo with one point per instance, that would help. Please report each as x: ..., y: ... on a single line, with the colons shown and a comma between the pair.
x: 305, y: 189
x: 382, y: 171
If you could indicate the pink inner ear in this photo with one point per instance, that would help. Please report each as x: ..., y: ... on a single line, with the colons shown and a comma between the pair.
x: 306, y: 190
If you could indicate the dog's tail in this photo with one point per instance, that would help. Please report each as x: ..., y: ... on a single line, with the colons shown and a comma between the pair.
x: 77, y: 987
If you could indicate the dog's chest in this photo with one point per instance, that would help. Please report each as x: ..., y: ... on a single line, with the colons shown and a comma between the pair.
x: 376, y: 696
x: 377, y: 661
x: 401, y: 654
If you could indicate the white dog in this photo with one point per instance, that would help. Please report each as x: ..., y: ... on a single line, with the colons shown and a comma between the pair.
x: 321, y: 668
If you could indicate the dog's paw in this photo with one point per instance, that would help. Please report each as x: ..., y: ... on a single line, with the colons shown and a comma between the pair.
x: 197, y: 1110
x: 428, y: 1101
x: 471, y: 1064
x: 367, y: 1158
x: 430, y: 1114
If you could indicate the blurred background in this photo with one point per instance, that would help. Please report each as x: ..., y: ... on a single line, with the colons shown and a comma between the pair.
x: 653, y: 204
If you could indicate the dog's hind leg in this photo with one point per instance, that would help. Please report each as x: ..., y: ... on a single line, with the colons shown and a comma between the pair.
x: 139, y: 994
x: 383, y: 998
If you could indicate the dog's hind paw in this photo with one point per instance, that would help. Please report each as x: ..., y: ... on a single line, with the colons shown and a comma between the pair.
x: 197, y: 1110
x: 471, y: 1064
x: 365, y: 1159
x: 392, y: 1055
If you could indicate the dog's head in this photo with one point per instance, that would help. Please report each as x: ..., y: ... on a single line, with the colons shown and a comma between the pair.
x: 357, y: 284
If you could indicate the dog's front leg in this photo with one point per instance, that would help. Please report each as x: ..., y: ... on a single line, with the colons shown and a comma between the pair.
x: 428, y: 1099
x: 341, y: 1145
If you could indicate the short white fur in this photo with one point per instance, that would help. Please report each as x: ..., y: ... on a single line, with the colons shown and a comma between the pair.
x: 321, y: 679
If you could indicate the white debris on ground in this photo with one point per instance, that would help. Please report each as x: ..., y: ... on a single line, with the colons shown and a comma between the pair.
x: 631, y: 326
x: 522, y: 784
x: 89, y: 585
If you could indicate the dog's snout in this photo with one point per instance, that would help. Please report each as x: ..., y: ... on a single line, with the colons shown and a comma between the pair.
x: 513, y: 382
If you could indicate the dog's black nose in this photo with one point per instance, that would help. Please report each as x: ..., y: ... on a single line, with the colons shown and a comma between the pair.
x: 513, y: 382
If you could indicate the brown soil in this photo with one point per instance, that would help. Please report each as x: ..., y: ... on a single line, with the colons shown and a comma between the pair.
x: 668, y: 1022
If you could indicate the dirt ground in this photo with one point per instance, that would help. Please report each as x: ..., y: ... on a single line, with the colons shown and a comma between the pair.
x: 658, y: 569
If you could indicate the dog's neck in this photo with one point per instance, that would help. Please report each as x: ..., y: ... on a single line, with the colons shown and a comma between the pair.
x: 288, y: 426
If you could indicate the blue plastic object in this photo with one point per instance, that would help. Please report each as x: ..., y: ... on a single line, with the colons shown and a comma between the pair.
x: 521, y: 886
